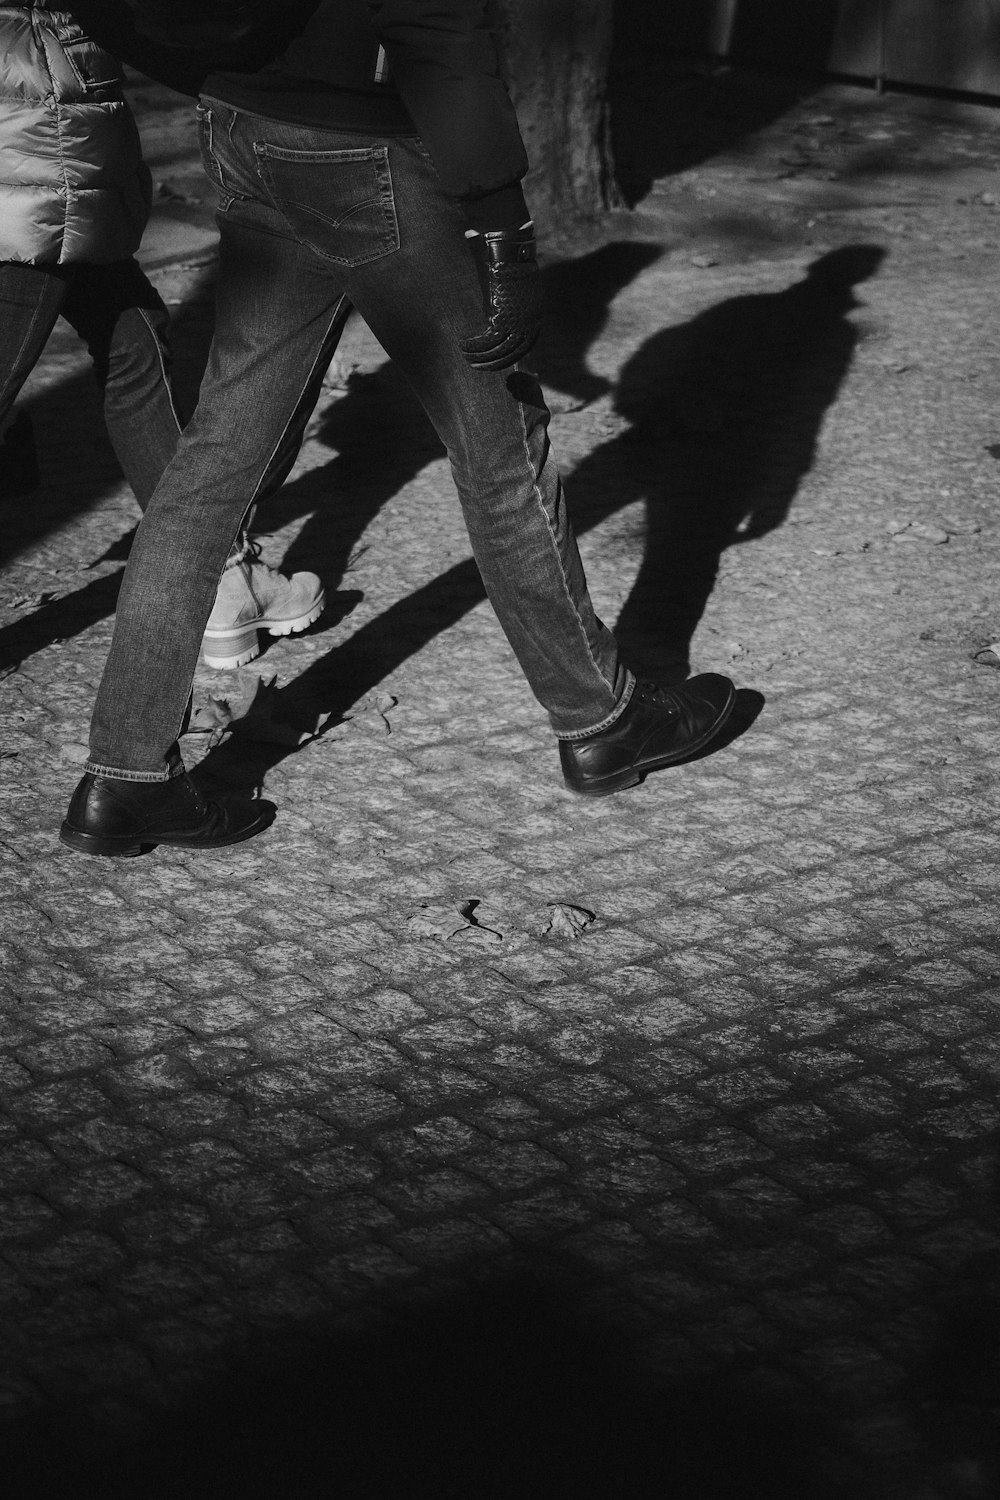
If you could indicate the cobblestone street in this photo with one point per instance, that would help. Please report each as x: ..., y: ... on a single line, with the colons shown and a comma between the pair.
x: 457, y: 1136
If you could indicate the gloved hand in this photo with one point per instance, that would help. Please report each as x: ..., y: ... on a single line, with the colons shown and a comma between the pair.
x: 512, y: 297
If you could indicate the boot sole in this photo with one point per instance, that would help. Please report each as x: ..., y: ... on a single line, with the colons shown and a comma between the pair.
x: 632, y: 775
x: 129, y: 848
x: 245, y: 639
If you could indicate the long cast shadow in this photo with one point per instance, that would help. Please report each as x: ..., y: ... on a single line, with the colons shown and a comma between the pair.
x: 723, y: 417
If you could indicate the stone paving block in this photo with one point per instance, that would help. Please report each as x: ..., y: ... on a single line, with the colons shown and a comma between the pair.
x: 447, y: 1241
x: 172, y: 1224
x: 358, y: 1106
x: 334, y: 1168
x: 429, y: 1140
x: 719, y: 1148
x: 49, y: 1105
x: 76, y: 1254
x: 182, y: 1117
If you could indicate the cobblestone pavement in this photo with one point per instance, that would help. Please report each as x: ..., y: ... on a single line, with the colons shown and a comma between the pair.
x: 456, y: 1136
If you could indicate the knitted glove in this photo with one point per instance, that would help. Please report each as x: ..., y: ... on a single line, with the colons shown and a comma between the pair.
x: 512, y: 297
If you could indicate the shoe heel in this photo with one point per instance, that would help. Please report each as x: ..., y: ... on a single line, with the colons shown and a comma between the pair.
x: 230, y: 648
x: 92, y: 843
x: 605, y: 788
x: 292, y: 627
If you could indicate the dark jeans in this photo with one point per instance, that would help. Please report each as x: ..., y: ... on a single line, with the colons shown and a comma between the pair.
x: 309, y: 218
x: 121, y: 319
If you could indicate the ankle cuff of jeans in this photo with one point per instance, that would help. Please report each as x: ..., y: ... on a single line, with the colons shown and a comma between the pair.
x: 115, y: 773
x: 616, y: 713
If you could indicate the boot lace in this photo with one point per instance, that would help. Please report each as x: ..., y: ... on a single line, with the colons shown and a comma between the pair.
x: 647, y: 691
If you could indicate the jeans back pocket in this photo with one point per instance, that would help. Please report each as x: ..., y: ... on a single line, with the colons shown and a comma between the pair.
x: 337, y: 203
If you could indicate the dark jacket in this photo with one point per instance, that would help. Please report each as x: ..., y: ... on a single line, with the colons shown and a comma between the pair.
x: 73, y: 185
x: 317, y: 62
x: 442, y: 65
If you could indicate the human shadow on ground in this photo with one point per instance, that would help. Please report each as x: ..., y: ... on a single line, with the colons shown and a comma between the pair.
x: 511, y: 1390
x: 723, y: 415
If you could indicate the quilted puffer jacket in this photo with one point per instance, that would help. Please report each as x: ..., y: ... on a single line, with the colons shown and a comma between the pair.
x: 73, y: 185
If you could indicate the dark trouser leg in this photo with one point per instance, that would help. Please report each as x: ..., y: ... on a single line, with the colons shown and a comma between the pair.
x: 120, y: 317
x: 30, y: 301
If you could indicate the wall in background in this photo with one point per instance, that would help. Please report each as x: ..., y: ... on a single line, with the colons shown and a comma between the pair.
x: 953, y: 44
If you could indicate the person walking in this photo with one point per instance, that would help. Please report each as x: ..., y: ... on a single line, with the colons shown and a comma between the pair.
x: 376, y: 159
x: 74, y: 200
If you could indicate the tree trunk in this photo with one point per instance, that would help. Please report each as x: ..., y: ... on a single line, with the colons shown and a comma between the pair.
x: 557, y: 54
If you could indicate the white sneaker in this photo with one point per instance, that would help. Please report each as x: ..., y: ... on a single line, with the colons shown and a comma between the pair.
x: 254, y: 597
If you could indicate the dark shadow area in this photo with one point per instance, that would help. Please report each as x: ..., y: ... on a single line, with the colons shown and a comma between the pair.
x: 512, y: 1390
x: 784, y: 33
x: 694, y: 79
x: 675, y: 100
x: 19, y: 471
x: 724, y: 413
x: 954, y: 1398
x: 58, y: 619
x: 669, y: 113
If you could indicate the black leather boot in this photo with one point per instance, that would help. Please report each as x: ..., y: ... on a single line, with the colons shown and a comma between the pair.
x: 113, y: 817
x: 660, y: 727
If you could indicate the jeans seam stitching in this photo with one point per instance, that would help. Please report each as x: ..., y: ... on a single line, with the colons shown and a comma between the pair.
x: 295, y: 406
x: 536, y: 491
x: 164, y: 373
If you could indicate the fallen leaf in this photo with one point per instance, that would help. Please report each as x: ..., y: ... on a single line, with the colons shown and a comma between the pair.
x: 436, y: 921
x: 955, y: 527
x: 567, y: 921
x: 213, y: 718
x: 926, y: 533
x: 478, y: 937
x: 384, y: 702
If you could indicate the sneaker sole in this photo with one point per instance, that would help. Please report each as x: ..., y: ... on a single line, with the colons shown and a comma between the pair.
x: 632, y: 775
x: 247, y: 649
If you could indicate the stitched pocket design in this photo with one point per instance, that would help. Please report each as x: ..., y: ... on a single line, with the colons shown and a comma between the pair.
x: 337, y: 203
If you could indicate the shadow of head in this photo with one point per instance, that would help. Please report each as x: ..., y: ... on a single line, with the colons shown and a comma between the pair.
x: 840, y: 270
